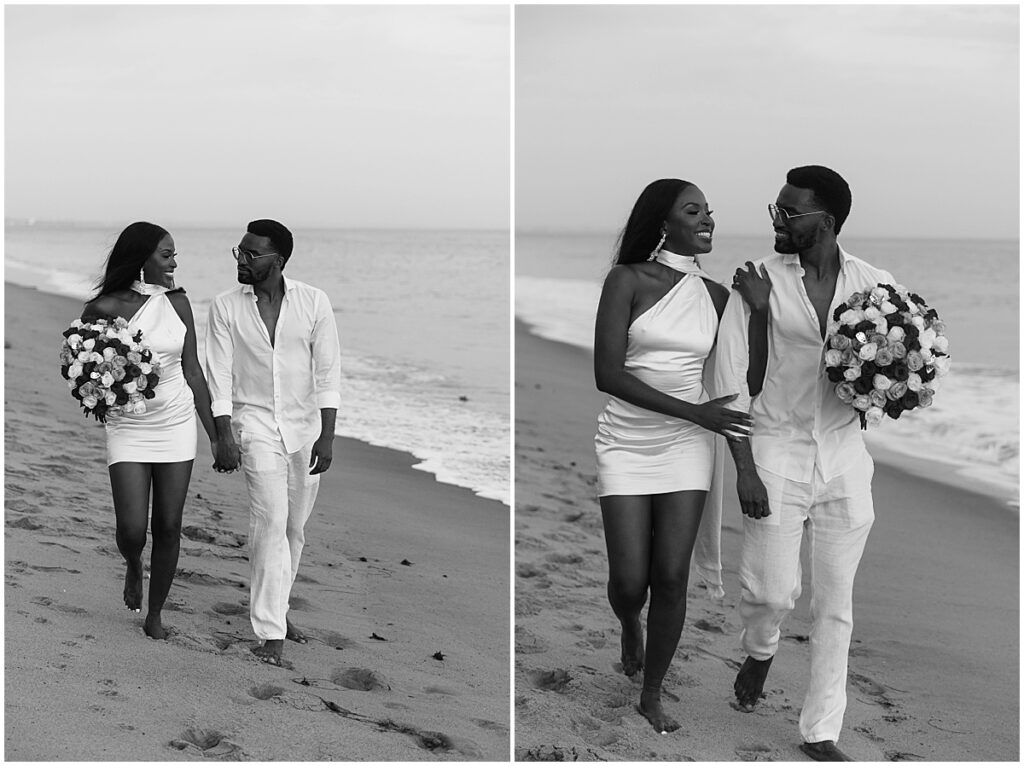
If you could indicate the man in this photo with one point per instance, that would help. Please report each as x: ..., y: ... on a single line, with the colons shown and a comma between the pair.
x: 805, y: 469
x: 274, y: 371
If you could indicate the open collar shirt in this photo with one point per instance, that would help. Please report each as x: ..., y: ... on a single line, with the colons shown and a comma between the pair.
x: 274, y: 390
x: 799, y: 422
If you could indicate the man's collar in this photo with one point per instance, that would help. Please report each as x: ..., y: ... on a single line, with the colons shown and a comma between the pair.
x: 794, y: 258
x: 288, y: 286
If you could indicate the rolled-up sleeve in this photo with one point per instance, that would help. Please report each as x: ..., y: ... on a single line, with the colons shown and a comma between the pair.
x: 732, y: 360
x: 326, y: 356
x: 219, y: 359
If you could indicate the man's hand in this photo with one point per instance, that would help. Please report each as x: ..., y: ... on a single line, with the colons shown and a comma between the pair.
x: 322, y: 454
x: 753, y: 495
x: 226, y: 456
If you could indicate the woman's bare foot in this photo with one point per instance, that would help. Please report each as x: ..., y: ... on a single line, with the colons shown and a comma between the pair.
x: 632, y: 648
x: 133, y: 585
x: 749, y: 683
x: 294, y: 634
x: 651, y: 709
x: 154, y: 627
x: 270, y: 651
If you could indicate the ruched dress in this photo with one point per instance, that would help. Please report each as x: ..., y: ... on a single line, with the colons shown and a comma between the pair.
x: 642, y: 452
x: 166, y: 432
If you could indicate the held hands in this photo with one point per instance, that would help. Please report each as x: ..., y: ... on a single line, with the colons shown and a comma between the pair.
x: 755, y: 286
x: 732, y: 424
x: 752, y: 494
x: 322, y: 454
x: 226, y: 456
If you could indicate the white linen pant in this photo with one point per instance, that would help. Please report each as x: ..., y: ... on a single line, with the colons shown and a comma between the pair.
x: 836, y: 516
x: 281, y: 497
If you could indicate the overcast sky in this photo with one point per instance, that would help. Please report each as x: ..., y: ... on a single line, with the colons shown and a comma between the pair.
x: 347, y: 116
x: 916, y: 106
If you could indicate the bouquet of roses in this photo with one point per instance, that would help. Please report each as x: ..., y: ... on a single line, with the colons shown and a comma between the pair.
x: 885, y: 351
x: 109, y: 370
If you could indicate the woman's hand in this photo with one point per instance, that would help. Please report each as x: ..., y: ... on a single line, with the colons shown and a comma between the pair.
x: 714, y: 416
x: 755, y: 286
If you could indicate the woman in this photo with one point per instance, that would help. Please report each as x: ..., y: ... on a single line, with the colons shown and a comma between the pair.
x: 155, y: 449
x: 656, y: 324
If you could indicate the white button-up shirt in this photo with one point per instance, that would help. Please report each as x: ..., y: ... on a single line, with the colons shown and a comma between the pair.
x: 274, y: 390
x: 799, y: 422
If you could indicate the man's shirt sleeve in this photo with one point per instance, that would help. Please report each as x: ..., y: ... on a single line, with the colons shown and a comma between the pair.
x: 732, y: 356
x: 218, y: 360
x: 326, y: 356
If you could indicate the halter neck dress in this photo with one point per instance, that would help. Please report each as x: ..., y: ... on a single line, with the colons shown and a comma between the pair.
x: 642, y: 452
x: 166, y: 432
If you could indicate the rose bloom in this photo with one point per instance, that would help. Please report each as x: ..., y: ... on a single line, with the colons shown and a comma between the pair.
x: 75, y: 370
x: 130, y: 387
x: 884, y: 357
x: 138, y: 407
x: 861, y: 402
x: 134, y: 357
x: 897, y: 389
x: 141, y: 383
x: 833, y: 357
x: 924, y: 397
x: 867, y: 351
x: 107, y: 380
x: 881, y: 383
x: 878, y: 294
x: 897, y: 334
x: 941, y: 343
x: 918, y: 321
x: 851, y: 373
x: 90, y: 402
x: 914, y: 382
x: 74, y: 339
x: 941, y: 365
x: 914, y: 361
x: 899, y: 351
x: 855, y: 300
x: 873, y: 416
x: 118, y: 373
x: 850, y: 317
x: 887, y: 307
x: 939, y: 326
x: 871, y: 313
x: 110, y: 398
x: 840, y: 341
x: 845, y: 392
x: 831, y: 329
x: 877, y: 398
x: 926, y: 338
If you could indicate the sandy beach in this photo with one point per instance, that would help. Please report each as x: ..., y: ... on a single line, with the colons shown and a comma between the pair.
x: 403, y: 590
x: 934, y: 664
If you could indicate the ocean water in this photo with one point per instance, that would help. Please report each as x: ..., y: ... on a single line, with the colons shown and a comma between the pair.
x: 973, y: 425
x: 423, y: 318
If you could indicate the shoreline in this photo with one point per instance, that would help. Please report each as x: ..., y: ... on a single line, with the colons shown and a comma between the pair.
x: 933, y: 668
x: 393, y: 564
x: 948, y: 472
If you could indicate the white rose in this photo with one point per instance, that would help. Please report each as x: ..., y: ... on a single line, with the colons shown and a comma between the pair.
x: 872, y: 314
x: 881, y: 326
x: 926, y: 355
x: 881, y: 383
x: 888, y: 307
x: 130, y: 387
x: 851, y: 373
x: 75, y: 370
x: 926, y: 338
x: 146, y: 368
x: 89, y: 344
x: 867, y: 351
x: 914, y: 381
x: 110, y: 398
x: 139, y: 407
x: 873, y: 416
x: 918, y: 321
x: 107, y: 380
x: 941, y: 365
x: 861, y: 402
x: 941, y: 343
x: 897, y: 334
x: 84, y: 356
x: 849, y: 317
x: 90, y: 402
x: 833, y: 357
x: 108, y: 354
x: 74, y: 339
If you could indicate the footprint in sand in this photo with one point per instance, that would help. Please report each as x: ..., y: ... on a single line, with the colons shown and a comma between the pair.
x: 528, y: 571
x: 549, y: 680
x: 228, y: 608
x: 874, y: 690
x: 25, y: 522
x: 300, y: 604
x: 109, y: 688
x: 359, y: 679
x: 564, y: 558
x: 210, y: 742
x: 755, y: 752
x: 330, y: 638
x: 50, y: 603
x: 202, y: 578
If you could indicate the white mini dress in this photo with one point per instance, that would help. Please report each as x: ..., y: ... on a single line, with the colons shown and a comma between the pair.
x: 642, y: 452
x: 166, y: 432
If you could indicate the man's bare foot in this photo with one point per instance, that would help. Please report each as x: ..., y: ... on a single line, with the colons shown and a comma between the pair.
x: 133, y: 585
x: 632, y: 648
x: 270, y: 651
x: 294, y: 634
x: 825, y: 750
x: 154, y: 627
x: 651, y: 709
x: 749, y: 684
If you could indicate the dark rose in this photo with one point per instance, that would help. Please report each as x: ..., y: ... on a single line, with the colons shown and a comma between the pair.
x: 149, y: 393
x: 869, y: 370
x: 899, y: 370
x: 835, y: 374
x: 862, y: 385
x: 864, y: 327
x: 894, y: 409
x: 910, y: 399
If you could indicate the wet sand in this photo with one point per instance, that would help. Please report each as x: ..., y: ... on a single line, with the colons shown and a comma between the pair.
x: 396, y: 569
x: 934, y: 664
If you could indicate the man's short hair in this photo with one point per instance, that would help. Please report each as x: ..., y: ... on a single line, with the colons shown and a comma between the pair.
x: 276, y: 232
x: 830, y: 189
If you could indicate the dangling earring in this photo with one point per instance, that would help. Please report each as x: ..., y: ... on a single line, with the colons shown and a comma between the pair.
x: 657, y: 248
x: 142, y: 276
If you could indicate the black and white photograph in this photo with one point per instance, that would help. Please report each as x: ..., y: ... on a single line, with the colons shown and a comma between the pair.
x: 766, y: 383
x: 257, y: 359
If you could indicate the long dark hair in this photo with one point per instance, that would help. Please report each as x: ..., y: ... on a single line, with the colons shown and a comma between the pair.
x: 643, y: 229
x: 133, y: 247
